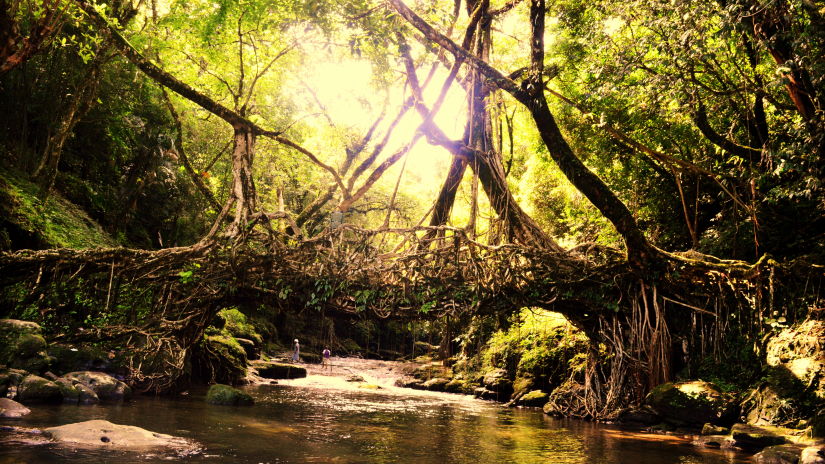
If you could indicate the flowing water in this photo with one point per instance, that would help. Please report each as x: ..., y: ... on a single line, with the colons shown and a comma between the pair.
x: 328, y: 420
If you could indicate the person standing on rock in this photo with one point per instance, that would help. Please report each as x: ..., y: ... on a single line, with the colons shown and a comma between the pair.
x: 297, y: 351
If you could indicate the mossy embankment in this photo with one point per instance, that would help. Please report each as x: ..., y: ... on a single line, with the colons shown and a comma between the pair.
x: 26, y: 221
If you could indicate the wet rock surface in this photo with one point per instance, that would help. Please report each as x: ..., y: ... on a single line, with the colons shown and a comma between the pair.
x: 10, y: 409
x: 225, y: 395
x: 36, y: 389
x: 778, y: 454
x: 107, y: 435
x: 691, y: 403
x: 277, y: 370
x: 106, y: 387
x: 755, y: 437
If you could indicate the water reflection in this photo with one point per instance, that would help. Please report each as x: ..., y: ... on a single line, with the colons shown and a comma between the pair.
x: 311, y: 422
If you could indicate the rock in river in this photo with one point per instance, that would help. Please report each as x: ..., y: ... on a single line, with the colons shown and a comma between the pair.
x: 36, y: 389
x: 104, y: 434
x: 690, y: 403
x: 106, y: 387
x: 12, y: 409
x: 226, y: 395
x: 274, y: 370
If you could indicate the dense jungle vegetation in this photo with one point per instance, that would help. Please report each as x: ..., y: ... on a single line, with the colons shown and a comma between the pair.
x: 584, y: 198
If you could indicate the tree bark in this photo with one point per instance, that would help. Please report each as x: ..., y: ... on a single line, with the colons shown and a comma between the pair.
x: 243, y: 184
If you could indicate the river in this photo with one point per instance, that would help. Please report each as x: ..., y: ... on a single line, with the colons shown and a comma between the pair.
x: 325, y: 419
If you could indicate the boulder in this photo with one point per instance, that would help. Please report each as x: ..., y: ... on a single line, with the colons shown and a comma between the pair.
x: 456, y: 386
x: 710, y: 429
x: 410, y: 383
x: 22, y: 346
x: 535, y: 398
x: 252, y: 350
x: 274, y: 370
x: 36, y: 389
x: 9, y: 381
x: 812, y: 455
x: 755, y: 437
x: 778, y: 454
x: 227, y: 396
x: 691, y: 403
x: 714, y: 441
x: 486, y: 394
x: 76, y: 392
x: 498, y: 382
x: 436, y: 384
x: 10, y: 409
x: 644, y: 415
x: 523, y: 386
x: 104, y: 434
x: 106, y: 387
x: 355, y: 378
x: 799, y: 350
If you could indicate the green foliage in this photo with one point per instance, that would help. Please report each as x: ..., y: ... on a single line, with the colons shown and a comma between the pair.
x: 538, y: 345
x: 734, y: 369
x: 237, y: 325
x: 55, y: 224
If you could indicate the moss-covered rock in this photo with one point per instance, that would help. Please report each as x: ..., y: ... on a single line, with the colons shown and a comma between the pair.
x: 436, y: 384
x: 755, y: 437
x: 225, y: 395
x: 643, y: 415
x: 710, y: 429
x: 235, y: 324
x: 691, y: 403
x: 106, y: 387
x: 219, y: 358
x: 431, y: 370
x: 714, y: 441
x: 778, y: 454
x: 535, y: 398
x: 82, y: 357
x: 276, y: 370
x: 36, y: 389
x: 457, y: 386
x: 498, y: 381
x: 76, y: 392
x: 801, y: 351
x: 22, y: 346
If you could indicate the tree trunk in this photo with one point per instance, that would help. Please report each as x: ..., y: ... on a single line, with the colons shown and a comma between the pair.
x: 243, y: 184
x: 77, y: 107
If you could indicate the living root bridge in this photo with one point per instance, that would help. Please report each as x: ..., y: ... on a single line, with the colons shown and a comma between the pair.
x: 403, y: 273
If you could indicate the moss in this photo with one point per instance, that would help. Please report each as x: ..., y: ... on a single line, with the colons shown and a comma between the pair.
x: 228, y: 396
x: 34, y: 389
x: 534, y: 398
x: 56, y: 224
x: 540, y: 349
x: 237, y: 325
x: 29, y: 345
